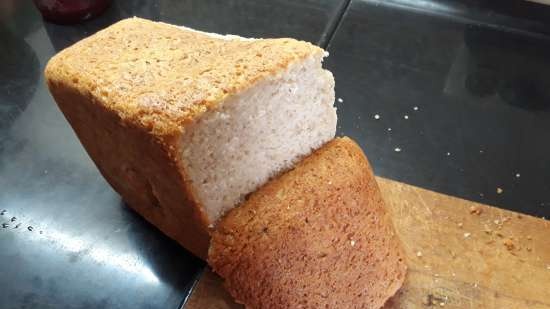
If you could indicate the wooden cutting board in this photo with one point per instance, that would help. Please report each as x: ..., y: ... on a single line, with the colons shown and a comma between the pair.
x: 460, y: 254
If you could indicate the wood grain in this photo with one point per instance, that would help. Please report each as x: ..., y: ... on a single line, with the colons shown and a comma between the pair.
x: 460, y: 254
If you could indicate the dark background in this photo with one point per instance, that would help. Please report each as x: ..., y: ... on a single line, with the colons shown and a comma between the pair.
x: 472, y: 77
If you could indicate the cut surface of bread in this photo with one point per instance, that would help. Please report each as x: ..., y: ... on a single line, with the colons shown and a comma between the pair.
x: 232, y: 151
x: 318, y: 236
x: 184, y: 124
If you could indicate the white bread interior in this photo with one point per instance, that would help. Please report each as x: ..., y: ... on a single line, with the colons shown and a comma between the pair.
x: 230, y: 152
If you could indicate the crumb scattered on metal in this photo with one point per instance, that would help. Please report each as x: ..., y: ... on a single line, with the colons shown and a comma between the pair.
x: 499, y: 190
x: 415, y: 108
x: 397, y: 149
x: 518, y: 175
x: 389, y: 129
x: 406, y: 116
x: 376, y: 116
x: 448, y: 153
x: 340, y: 100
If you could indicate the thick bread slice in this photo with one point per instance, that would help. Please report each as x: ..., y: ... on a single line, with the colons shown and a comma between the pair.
x: 184, y: 124
x: 318, y: 236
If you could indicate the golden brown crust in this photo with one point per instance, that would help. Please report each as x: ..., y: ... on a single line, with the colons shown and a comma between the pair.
x: 151, y: 184
x: 160, y: 77
x: 317, y: 237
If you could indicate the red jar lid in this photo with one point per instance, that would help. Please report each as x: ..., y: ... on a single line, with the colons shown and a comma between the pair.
x: 70, y: 11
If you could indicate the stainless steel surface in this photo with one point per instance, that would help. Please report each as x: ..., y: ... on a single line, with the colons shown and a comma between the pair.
x: 67, y: 240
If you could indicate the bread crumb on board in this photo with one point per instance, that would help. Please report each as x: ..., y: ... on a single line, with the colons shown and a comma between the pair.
x: 466, y: 235
x: 475, y: 210
x: 434, y: 300
x: 509, y: 244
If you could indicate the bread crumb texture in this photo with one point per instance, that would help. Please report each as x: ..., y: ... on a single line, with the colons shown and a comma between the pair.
x: 316, y: 237
x: 160, y: 76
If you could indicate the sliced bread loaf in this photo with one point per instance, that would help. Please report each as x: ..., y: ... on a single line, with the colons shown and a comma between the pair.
x: 184, y: 124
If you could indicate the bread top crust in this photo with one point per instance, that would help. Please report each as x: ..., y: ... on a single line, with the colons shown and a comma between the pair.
x: 161, y: 77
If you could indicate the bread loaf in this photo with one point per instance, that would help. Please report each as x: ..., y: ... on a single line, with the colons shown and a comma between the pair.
x: 318, y: 236
x: 184, y: 124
